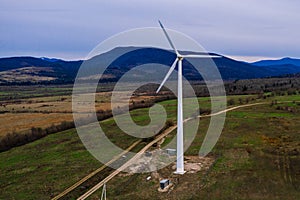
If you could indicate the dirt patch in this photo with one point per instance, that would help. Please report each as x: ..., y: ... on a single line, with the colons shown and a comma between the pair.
x: 194, y: 164
x: 281, y: 145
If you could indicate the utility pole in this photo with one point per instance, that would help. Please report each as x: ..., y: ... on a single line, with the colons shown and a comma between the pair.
x: 103, y: 195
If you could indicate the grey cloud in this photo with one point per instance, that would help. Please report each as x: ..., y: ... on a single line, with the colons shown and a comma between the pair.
x: 248, y: 27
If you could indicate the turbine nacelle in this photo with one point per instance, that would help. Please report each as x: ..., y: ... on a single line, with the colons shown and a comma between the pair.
x: 180, y: 57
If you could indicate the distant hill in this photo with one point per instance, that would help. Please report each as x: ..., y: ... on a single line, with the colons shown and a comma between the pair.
x: 283, y: 69
x: 51, y: 59
x: 283, y: 61
x: 27, y: 70
x: 30, y: 70
x: 230, y: 69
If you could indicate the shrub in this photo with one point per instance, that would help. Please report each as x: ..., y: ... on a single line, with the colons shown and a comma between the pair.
x: 231, y: 102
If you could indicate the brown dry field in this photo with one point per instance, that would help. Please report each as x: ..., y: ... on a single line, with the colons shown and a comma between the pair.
x: 22, y: 122
x: 42, y: 112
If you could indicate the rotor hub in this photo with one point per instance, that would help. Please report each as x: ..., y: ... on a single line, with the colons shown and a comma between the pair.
x: 180, y: 57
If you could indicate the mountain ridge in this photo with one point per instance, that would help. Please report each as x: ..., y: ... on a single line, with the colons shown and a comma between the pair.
x: 59, y: 71
x: 281, y: 61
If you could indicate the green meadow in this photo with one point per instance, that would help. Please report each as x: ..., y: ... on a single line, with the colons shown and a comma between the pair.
x: 256, y: 157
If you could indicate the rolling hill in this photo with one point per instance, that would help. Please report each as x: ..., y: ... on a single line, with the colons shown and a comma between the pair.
x: 14, y: 70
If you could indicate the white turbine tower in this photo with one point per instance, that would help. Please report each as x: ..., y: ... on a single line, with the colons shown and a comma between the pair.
x: 180, y: 57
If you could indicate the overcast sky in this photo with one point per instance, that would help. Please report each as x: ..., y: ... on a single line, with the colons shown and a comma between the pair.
x: 70, y: 29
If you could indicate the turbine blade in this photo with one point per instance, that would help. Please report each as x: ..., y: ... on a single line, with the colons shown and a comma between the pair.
x: 168, y: 75
x: 169, y: 39
x: 200, y: 56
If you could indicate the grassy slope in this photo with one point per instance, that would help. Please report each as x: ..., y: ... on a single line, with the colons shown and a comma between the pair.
x: 38, y: 169
x: 249, y: 165
x: 47, y: 166
x: 252, y: 165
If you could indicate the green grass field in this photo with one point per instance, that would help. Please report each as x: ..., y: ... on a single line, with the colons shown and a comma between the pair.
x: 249, y: 164
x: 257, y: 157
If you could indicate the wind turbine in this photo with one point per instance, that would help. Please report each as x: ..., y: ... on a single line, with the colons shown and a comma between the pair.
x: 178, y: 60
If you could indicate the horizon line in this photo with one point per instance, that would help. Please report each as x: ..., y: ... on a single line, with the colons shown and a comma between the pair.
x: 72, y: 57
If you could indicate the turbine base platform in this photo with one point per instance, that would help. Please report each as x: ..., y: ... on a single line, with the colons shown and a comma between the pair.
x: 180, y: 172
